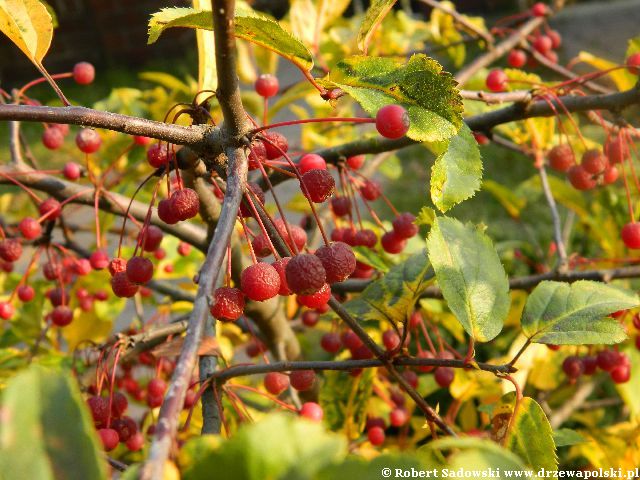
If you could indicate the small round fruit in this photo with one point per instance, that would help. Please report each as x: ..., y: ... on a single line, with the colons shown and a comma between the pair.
x: 608, y: 360
x: 590, y: 364
x: 633, y: 63
x: 281, y: 266
x: 267, y: 85
x: 556, y: 39
x: 497, y: 80
x: 341, y: 206
x: 99, y: 408
x: 561, y: 158
x: 302, y: 380
x: 109, y: 438
x: 370, y: 190
x: 316, y: 300
x: 392, y: 121
x: 61, y: 316
x: 152, y: 238
x: 616, y: 150
x: 6, y: 310
x: 52, y: 138
x: 71, y: 171
x: 311, y: 161
x: 305, y: 274
x: 159, y: 155
x: 122, y: 287
x: 338, y: 260
x: 166, y: 212
x: 356, y: 161
x: 398, y: 417
x: 594, y: 162
x: 228, y: 304
x: 610, y: 175
x: 275, y: 145
x: 257, y: 154
x: 260, y: 282
x: 620, y: 374
x: 26, y: 293
x: 365, y: 238
x: 391, y: 340
x: 88, y: 140
x: 276, y: 382
x: 376, y: 436
x: 539, y: 9
x: 631, y: 235
x: 392, y: 243
x: 255, y: 193
x: 580, y: 179
x: 444, y: 376
x: 99, y: 260
x: 51, y: 208
x: 319, y: 185
x: 573, y: 367
x: 403, y: 225
x: 185, y: 203
x: 312, y: 411
x: 84, y: 73
x: 139, y: 270
x: 30, y: 228
x: 310, y: 318
x: 330, y: 342
x: 10, y: 250
x: 517, y: 58
x: 135, y: 442
x: 543, y: 44
x: 142, y: 141
x: 157, y: 387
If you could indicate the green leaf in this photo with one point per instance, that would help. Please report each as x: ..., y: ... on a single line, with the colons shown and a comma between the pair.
x: 372, y: 18
x: 457, y: 171
x: 279, y: 446
x: 575, y: 314
x: 358, y: 468
x: 426, y: 216
x: 512, y: 203
x: 393, y: 296
x: 28, y: 24
x: 344, y: 399
x: 471, y: 277
x: 249, y: 25
x: 46, y: 431
x: 565, y: 437
x: 372, y: 258
x: 421, y: 86
x: 529, y: 422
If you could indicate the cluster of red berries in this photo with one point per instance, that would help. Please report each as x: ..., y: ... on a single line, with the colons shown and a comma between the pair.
x: 615, y: 363
x: 595, y: 168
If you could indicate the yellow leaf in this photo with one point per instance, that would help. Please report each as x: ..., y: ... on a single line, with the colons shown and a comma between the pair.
x: 623, y: 79
x: 28, y: 24
x: 207, y: 73
x: 86, y: 326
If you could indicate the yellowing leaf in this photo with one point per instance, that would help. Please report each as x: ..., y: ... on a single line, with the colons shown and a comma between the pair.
x: 28, y: 24
x: 372, y: 18
x: 623, y: 79
x: 207, y: 73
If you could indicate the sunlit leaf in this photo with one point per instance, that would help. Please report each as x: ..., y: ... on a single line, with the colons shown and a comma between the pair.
x: 372, y: 18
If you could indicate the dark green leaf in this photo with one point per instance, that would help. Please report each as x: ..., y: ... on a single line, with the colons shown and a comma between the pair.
x: 421, y: 86
x: 565, y: 437
x: 47, y: 431
x: 471, y: 277
x: 457, y: 171
x: 575, y: 314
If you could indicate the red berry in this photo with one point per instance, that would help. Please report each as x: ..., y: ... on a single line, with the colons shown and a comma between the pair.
x: 351, y: 340
x: 57, y: 296
x: 310, y: 318
x: 136, y: 442
x: 117, y: 265
x: 61, y: 316
x: 633, y: 63
x: 373, y: 422
x: 62, y: 127
x: 281, y: 266
x: 398, y: 417
x: 159, y: 155
x: 543, y: 44
x: 71, y: 171
x: 497, y: 80
x: 185, y: 203
x: 156, y: 387
x: 183, y: 249
x: 551, y: 56
x: 590, y: 364
x: 83, y: 73
x: 330, y: 342
x: 312, y: 411
x: 616, y: 150
x: 481, y: 138
x: 275, y: 144
x: 257, y: 154
x: 88, y: 140
x: 51, y: 270
x: 6, y: 310
x: 142, y: 141
x: 620, y: 374
x: 255, y: 348
x: 316, y: 300
x: 139, y: 270
x: 573, y: 367
x: 341, y: 206
x: 152, y: 238
x: 302, y: 380
x: 444, y: 376
x: 52, y: 138
x: 608, y: 360
x: 580, y: 178
x: 109, y: 438
x: 311, y: 161
x: 376, y: 436
x: 122, y: 287
x: 298, y: 234
x: 99, y: 408
x: 82, y: 266
x: 594, y: 162
x: 356, y: 161
x: 228, y: 304
x: 267, y: 85
x: 305, y: 274
x: 610, y: 175
x: 10, y: 250
x: 247, y: 211
x: 631, y: 235
x: 561, y: 158
x: 125, y: 428
x: 119, y: 404
x: 166, y: 212
x: 403, y: 225
x: 392, y: 121
x: 338, y: 261
x: 26, y: 293
x: 365, y: 238
x: 517, y: 58
x: 556, y: 38
x: 391, y: 340
x: 392, y: 243
x: 51, y: 208
x: 276, y: 382
x: 30, y: 228
x: 539, y: 10
x: 260, y: 282
x: 371, y: 190
x: 101, y: 295
x: 426, y: 354
x: 319, y: 185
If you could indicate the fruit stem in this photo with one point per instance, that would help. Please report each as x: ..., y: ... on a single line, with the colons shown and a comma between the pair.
x: 312, y: 120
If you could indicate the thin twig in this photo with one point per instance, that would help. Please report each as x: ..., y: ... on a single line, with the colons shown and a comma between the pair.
x: 461, y: 20
x: 555, y: 217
